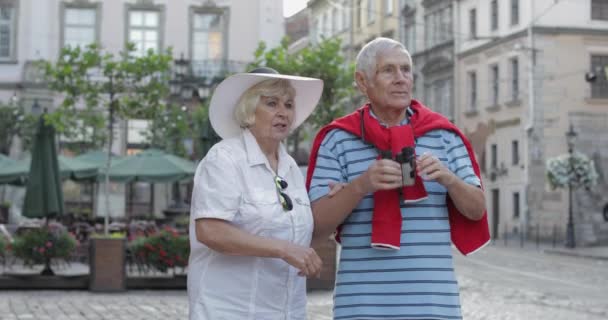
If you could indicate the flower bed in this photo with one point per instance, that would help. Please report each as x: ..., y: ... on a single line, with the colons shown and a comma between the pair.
x: 161, y: 251
x: 39, y: 246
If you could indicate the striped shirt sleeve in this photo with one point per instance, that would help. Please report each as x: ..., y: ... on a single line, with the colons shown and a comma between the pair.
x: 327, y: 168
x: 459, y: 160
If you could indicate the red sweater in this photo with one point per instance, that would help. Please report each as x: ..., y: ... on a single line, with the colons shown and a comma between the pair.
x: 467, y: 235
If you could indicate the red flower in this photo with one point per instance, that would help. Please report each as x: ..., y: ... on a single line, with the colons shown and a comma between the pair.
x: 41, y: 250
x: 49, y: 244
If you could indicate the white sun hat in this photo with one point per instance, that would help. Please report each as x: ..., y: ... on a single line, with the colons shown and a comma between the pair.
x: 229, y: 91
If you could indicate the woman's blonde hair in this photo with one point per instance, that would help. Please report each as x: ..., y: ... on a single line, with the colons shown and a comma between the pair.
x: 244, y: 113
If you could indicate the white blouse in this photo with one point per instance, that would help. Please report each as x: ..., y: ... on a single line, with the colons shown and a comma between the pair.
x: 235, y: 182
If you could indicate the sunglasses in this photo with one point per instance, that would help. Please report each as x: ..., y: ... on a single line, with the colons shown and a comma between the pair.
x: 285, y: 200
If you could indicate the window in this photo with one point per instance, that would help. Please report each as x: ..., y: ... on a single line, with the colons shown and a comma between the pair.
x: 8, y: 30
x: 514, y: 12
x: 371, y: 11
x: 515, y: 204
x: 438, y: 94
x: 472, y: 91
x: 494, y: 156
x: 514, y: 79
x: 388, y: 7
x: 494, y: 14
x: 599, y: 87
x: 599, y: 9
x: 334, y: 21
x: 495, y: 81
x: 437, y: 26
x: 359, y: 12
x: 207, y: 36
x: 144, y: 30
x: 80, y: 27
x: 473, y: 23
x: 410, y: 33
x: 326, y: 24
x: 345, y: 16
x: 515, y: 152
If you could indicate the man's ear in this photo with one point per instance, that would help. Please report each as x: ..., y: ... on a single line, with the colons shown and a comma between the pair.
x: 362, y: 82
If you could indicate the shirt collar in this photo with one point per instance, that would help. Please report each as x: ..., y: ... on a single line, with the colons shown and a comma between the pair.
x: 255, y: 156
x: 408, y: 113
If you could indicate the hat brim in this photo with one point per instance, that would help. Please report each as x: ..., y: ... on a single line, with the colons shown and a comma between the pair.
x: 229, y: 91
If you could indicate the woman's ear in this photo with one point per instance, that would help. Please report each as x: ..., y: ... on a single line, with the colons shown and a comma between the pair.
x: 361, y: 81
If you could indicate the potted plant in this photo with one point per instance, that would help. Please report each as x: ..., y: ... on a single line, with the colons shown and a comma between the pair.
x: 42, y: 245
x: 107, y: 262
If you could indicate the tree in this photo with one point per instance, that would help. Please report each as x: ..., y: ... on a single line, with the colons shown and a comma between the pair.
x: 323, y: 61
x: 99, y: 88
x: 15, y: 122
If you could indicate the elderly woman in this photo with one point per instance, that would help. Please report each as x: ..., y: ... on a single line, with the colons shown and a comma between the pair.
x: 250, y: 221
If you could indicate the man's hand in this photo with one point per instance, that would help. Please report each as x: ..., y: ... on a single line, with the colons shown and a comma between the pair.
x: 302, y: 258
x: 383, y: 174
x: 431, y: 168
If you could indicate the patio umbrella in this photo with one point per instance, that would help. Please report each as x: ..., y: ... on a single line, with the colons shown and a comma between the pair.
x: 43, y: 193
x: 97, y: 157
x: 153, y: 166
x: 17, y: 172
x: 4, y: 160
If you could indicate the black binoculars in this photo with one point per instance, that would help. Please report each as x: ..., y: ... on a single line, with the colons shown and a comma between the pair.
x: 407, y: 159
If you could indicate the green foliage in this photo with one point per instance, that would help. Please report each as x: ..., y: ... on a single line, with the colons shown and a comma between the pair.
x: 111, y: 235
x: 38, y: 245
x: 323, y: 61
x: 163, y: 250
x: 96, y: 84
x: 169, y: 128
x: 575, y: 170
x: 15, y: 122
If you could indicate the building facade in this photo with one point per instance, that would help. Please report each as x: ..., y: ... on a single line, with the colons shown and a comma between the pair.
x: 215, y: 37
x: 355, y: 22
x: 521, y: 80
x: 427, y: 34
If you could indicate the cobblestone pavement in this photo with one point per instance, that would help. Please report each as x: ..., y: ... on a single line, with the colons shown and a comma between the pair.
x: 497, y: 283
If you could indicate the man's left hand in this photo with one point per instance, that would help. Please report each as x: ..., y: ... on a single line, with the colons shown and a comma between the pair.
x: 431, y: 168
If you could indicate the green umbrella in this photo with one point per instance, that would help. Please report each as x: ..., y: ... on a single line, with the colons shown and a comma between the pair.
x: 153, y: 166
x: 17, y: 172
x: 5, y: 161
x: 43, y: 194
x: 97, y: 157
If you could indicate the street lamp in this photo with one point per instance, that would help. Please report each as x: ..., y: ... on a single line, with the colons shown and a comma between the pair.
x: 570, y: 139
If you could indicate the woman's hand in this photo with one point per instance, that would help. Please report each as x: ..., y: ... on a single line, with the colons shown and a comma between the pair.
x: 334, y: 188
x: 302, y: 258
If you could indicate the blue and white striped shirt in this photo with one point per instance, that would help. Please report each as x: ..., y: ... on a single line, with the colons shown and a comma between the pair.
x: 417, y: 281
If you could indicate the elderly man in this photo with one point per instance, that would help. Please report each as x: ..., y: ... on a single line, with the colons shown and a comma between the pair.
x: 410, y: 187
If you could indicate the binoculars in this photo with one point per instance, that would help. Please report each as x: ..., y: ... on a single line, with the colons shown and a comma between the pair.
x: 407, y: 159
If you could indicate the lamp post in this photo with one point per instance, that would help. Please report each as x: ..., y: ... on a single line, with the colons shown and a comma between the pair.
x: 570, y: 139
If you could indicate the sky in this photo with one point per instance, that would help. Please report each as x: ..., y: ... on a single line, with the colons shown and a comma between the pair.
x: 292, y: 6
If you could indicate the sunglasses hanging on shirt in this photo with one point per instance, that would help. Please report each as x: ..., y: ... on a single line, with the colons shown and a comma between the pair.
x: 285, y: 200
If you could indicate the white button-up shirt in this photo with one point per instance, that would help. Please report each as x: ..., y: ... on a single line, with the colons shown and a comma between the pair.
x: 235, y: 182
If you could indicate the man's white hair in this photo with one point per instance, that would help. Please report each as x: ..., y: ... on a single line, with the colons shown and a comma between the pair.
x: 367, y: 57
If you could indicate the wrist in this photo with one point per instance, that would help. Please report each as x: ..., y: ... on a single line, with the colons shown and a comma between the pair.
x: 281, y: 249
x: 450, y: 180
x: 359, y: 185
